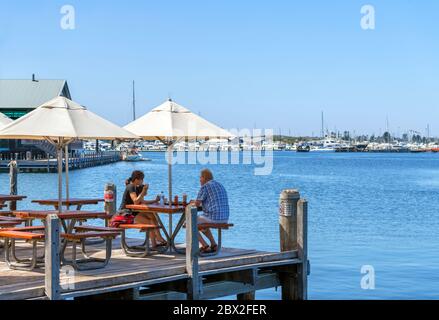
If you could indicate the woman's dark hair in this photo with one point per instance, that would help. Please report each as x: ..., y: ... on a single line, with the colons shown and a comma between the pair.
x: 137, y: 174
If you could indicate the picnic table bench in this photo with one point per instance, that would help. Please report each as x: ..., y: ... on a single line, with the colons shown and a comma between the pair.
x: 36, y: 234
x: 8, y: 224
x: 141, y: 251
x: 219, y: 227
x: 10, y: 237
x: 69, y: 220
x: 85, y: 263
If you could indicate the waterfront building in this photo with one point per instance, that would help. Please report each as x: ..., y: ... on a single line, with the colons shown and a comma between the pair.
x: 20, y: 96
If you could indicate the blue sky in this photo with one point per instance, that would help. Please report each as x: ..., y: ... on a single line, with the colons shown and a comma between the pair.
x: 269, y: 64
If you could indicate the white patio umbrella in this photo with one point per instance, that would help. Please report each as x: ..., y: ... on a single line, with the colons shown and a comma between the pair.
x: 61, y: 121
x: 4, y: 120
x: 170, y: 123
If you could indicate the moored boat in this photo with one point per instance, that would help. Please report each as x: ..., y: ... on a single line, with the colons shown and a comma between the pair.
x: 418, y: 150
x: 133, y: 155
x: 303, y: 148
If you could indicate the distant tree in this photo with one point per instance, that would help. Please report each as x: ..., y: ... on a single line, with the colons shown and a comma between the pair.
x: 387, y: 137
x: 416, y: 138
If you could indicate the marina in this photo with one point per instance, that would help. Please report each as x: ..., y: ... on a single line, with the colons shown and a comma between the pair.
x: 288, y: 143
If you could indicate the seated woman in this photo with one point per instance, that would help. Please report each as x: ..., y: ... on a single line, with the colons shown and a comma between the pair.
x: 135, y: 192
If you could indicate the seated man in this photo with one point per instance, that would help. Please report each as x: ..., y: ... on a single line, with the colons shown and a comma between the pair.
x: 212, y: 197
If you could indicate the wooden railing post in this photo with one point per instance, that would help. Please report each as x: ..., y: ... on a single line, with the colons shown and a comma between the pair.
x: 192, y: 253
x: 51, y: 258
x: 302, y: 247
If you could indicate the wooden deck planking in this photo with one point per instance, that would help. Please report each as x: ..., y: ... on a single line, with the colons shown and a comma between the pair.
x: 124, y: 271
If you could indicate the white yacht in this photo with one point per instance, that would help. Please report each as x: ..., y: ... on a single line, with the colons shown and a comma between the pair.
x: 327, y: 145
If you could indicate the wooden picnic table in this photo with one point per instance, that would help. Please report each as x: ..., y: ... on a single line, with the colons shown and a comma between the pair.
x: 78, y: 202
x: 68, y: 218
x: 12, y: 200
x: 64, y: 215
x: 72, y: 216
x: 156, y: 209
x: 11, y: 197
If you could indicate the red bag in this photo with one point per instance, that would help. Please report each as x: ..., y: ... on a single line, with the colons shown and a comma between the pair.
x: 121, y: 219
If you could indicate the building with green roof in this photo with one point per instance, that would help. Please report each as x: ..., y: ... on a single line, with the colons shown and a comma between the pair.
x: 18, y: 97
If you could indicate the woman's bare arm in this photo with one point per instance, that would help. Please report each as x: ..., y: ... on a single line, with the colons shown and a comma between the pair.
x: 137, y: 199
x: 140, y: 199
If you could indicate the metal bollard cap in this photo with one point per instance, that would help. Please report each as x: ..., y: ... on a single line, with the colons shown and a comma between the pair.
x: 289, y: 194
x: 109, y: 185
x: 287, y: 202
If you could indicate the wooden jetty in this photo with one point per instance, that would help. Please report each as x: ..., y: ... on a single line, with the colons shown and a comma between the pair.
x: 86, y: 160
x: 173, y: 276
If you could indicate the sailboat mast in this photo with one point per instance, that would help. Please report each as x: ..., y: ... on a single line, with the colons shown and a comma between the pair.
x: 134, y: 101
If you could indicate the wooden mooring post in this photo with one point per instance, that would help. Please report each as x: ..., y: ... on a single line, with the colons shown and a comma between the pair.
x: 52, y: 258
x: 293, y: 228
x: 13, y: 181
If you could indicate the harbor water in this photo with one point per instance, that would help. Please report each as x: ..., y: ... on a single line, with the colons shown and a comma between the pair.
x: 377, y: 210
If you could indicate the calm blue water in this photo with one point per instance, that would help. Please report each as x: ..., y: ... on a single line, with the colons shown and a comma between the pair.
x: 364, y: 209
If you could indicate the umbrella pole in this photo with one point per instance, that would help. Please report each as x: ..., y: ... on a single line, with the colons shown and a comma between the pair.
x: 67, y: 171
x: 170, y: 173
x: 59, y: 150
x: 170, y: 187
